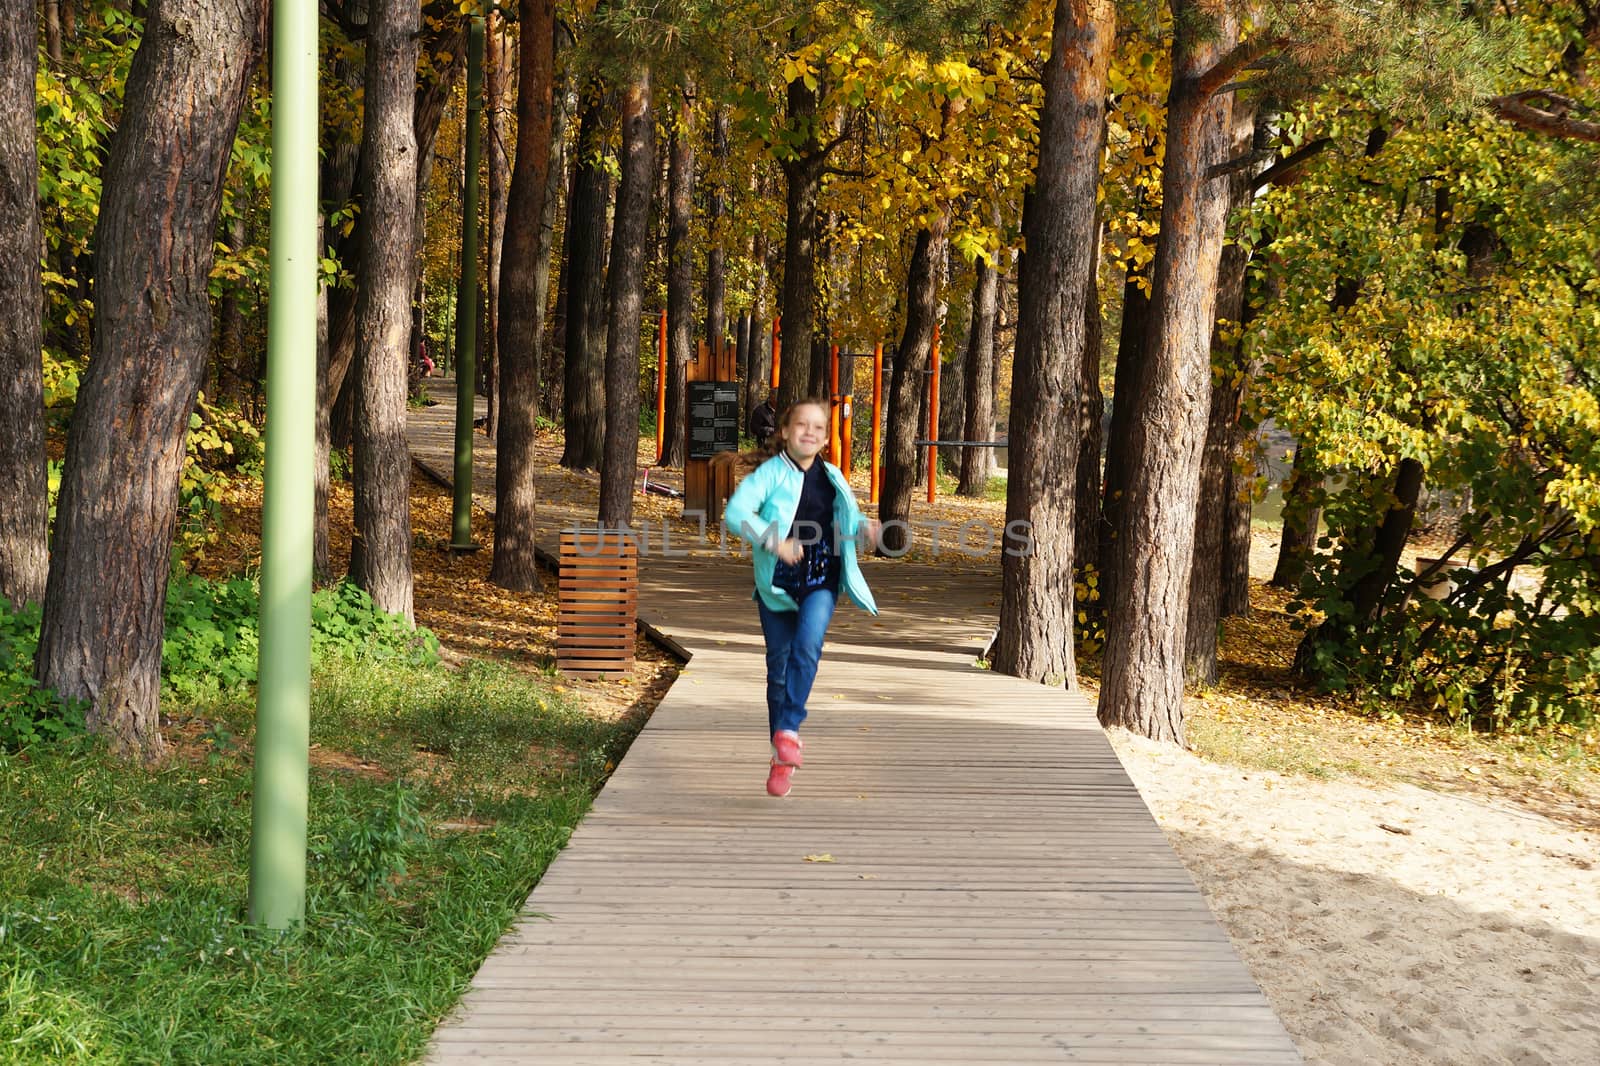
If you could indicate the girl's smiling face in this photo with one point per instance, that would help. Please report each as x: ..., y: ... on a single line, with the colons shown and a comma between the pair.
x: 806, y: 432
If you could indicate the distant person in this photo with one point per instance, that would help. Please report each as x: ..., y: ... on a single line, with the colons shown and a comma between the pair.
x: 802, y: 520
x: 427, y: 363
x: 764, y: 419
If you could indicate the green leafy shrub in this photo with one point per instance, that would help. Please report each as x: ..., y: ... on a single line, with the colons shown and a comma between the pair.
x: 212, y: 634
x: 364, y: 853
x: 29, y: 713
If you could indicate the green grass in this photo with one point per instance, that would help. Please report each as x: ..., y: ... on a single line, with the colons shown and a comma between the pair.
x: 122, y: 889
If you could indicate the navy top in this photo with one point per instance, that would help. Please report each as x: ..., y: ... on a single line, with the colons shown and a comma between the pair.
x: 813, y: 528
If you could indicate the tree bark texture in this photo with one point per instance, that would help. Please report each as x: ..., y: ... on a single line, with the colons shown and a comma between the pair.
x: 625, y: 298
x: 1126, y: 384
x: 584, y: 412
x: 908, y: 380
x: 1142, y: 679
x: 716, y: 293
x: 321, y: 564
x: 24, y: 559
x: 1091, y: 435
x: 552, y: 334
x: 1035, y: 638
x: 803, y: 176
x: 234, y: 370
x: 977, y: 464
x: 1301, y: 517
x: 680, y: 283
x: 104, y: 603
x: 380, y: 555
x: 1237, y: 527
x: 14, y: 9
x: 1216, y: 461
x: 496, y: 88
x: 521, y: 318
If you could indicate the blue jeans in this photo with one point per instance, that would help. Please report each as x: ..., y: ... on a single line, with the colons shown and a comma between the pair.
x: 794, y: 647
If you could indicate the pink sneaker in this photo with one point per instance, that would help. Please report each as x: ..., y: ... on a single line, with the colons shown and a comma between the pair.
x: 787, y: 747
x: 779, y: 779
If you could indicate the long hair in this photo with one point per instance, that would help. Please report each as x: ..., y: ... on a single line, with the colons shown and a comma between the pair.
x: 744, y: 462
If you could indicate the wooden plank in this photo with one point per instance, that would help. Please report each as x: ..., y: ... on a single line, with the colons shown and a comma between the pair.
x: 1000, y: 892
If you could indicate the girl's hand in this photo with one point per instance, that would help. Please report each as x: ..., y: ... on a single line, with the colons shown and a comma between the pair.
x: 790, y: 551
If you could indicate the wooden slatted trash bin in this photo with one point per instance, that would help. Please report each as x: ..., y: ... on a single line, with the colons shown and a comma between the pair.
x: 598, y: 602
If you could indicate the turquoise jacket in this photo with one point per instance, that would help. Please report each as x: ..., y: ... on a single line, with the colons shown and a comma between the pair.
x: 761, y: 511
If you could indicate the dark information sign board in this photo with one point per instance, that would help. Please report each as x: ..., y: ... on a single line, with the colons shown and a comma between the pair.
x: 713, y: 418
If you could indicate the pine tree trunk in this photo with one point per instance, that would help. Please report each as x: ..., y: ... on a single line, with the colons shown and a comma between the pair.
x: 583, y: 410
x: 803, y: 175
x: 680, y: 281
x: 625, y: 298
x: 521, y: 322
x: 716, y: 293
x: 1211, y: 505
x: 1036, y: 599
x: 100, y: 640
x: 380, y: 557
x: 977, y: 464
x: 52, y: 27
x: 24, y: 559
x: 1301, y: 517
x: 907, y: 382
x: 495, y: 70
x: 321, y: 564
x: 1238, y: 524
x: 552, y: 362
x: 1142, y: 687
x: 234, y: 370
x: 1126, y: 385
x: 1091, y: 432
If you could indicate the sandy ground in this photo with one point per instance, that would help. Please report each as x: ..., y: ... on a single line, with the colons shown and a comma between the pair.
x: 1388, y: 924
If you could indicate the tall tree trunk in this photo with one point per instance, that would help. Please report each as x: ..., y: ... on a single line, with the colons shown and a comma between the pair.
x: 803, y: 176
x: 1142, y: 687
x: 680, y: 279
x: 758, y: 344
x: 24, y: 559
x: 522, y: 304
x: 336, y: 179
x: 52, y: 27
x: 501, y: 51
x: 551, y: 361
x: 380, y: 557
x: 952, y: 409
x: 234, y: 371
x: 907, y: 382
x: 1036, y: 608
x: 584, y: 412
x: 1126, y: 385
x: 1237, y: 525
x: 977, y: 464
x: 1389, y: 541
x: 100, y: 640
x: 716, y: 258
x: 625, y: 298
x: 1211, y: 503
x: 321, y: 563
x: 1301, y: 517
x: 1091, y: 434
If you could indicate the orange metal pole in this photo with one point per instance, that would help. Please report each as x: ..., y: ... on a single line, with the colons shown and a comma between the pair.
x: 777, y: 349
x: 933, y: 418
x: 661, y: 385
x: 877, y: 420
x: 847, y: 433
x: 833, y: 408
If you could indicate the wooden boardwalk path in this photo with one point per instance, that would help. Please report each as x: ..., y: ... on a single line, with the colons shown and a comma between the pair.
x: 962, y: 874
